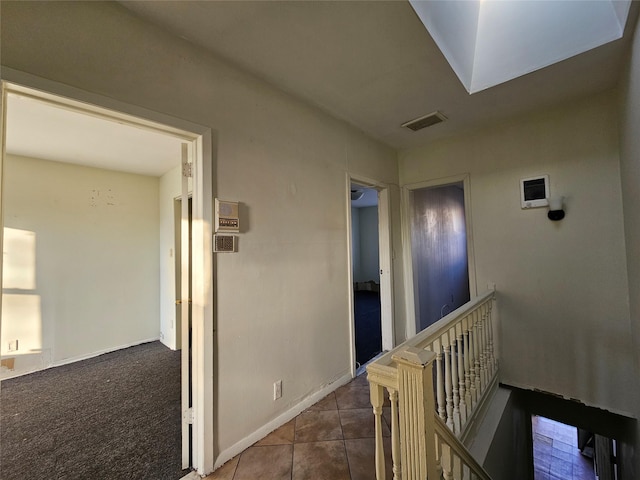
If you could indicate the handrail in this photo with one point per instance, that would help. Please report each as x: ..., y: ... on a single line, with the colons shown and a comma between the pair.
x: 435, y: 329
x: 457, y: 353
x: 455, y: 465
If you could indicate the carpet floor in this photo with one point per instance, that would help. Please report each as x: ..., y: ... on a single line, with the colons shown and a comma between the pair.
x: 115, y: 416
x: 368, y: 325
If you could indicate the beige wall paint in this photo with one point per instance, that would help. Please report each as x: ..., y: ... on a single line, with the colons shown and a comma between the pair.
x: 92, y: 259
x: 562, y: 287
x: 282, y: 308
x: 630, y: 172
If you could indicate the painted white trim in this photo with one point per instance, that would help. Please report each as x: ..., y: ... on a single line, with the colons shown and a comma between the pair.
x: 406, y: 211
x: 202, y: 305
x: 407, y: 207
x: 202, y: 295
x: 79, y: 358
x: 124, y: 111
x: 280, y: 420
x: 385, y: 256
x: 350, y: 294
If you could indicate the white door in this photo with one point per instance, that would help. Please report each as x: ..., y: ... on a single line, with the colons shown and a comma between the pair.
x: 185, y: 307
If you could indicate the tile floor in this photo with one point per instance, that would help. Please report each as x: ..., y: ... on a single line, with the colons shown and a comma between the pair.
x: 555, y: 452
x: 332, y: 440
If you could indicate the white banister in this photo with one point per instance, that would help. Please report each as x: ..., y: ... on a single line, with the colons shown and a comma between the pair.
x: 460, y: 349
x: 415, y: 385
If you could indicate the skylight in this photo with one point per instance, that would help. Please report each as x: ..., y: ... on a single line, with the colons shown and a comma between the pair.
x: 488, y: 42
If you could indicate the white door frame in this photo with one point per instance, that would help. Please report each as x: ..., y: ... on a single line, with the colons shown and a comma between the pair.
x: 407, y: 214
x: 201, y: 139
x: 385, y: 255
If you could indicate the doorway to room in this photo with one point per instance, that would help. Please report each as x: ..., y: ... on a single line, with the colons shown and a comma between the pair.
x: 370, y: 270
x: 100, y: 201
x: 366, y: 273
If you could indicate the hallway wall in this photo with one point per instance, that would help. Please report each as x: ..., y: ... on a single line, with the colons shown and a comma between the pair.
x: 284, y: 294
x: 562, y: 288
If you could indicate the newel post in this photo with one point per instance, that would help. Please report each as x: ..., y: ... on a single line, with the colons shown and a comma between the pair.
x: 417, y: 413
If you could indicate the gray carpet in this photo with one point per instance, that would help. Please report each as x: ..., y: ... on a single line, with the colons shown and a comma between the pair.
x: 115, y: 416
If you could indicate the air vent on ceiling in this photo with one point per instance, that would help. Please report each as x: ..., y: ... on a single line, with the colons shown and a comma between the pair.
x: 425, y: 121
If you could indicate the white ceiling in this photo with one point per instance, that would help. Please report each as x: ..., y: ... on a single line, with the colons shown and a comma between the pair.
x: 41, y: 130
x: 370, y: 63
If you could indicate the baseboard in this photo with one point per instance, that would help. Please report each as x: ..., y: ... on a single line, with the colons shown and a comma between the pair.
x: 280, y: 420
x: 7, y: 374
x: 66, y: 361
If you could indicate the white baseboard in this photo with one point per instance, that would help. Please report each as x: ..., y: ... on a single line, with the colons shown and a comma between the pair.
x: 280, y: 420
x: 102, y: 352
x: 7, y: 374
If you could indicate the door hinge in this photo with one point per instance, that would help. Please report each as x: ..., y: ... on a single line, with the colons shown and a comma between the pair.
x: 187, y: 169
x: 187, y: 415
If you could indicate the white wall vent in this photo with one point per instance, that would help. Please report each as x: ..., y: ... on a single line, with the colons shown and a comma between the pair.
x: 425, y: 121
x: 225, y: 243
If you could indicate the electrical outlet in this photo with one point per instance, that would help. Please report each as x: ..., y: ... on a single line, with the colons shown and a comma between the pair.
x: 13, y: 345
x: 277, y: 389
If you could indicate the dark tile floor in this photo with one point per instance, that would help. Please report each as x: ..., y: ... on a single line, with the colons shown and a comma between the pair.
x: 332, y: 440
x: 555, y: 452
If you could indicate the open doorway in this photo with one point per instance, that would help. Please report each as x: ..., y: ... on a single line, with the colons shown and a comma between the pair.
x: 366, y: 273
x: 571, y: 453
x: 91, y: 243
x: 370, y: 271
x: 439, y: 251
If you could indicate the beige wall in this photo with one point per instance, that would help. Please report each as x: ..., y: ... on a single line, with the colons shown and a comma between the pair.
x: 88, y: 242
x: 282, y: 308
x: 562, y: 287
x: 630, y: 171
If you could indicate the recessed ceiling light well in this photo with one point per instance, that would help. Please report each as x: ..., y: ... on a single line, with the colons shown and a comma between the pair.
x: 425, y: 121
x: 489, y: 42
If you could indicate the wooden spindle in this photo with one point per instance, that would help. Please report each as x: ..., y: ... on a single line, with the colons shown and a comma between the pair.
x: 448, y: 384
x: 395, y: 435
x: 376, y: 393
x: 440, y: 396
x: 461, y: 378
x: 482, y: 350
x: 473, y: 388
x: 476, y: 357
x: 454, y: 381
x: 494, y: 363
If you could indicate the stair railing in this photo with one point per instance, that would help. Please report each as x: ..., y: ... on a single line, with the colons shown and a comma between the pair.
x: 461, y: 348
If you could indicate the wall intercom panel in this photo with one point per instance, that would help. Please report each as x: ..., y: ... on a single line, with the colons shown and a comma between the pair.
x: 227, y: 217
x: 534, y: 191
